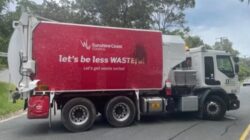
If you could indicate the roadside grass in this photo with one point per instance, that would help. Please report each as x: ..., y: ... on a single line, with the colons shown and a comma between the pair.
x: 2, y: 66
x: 6, y: 105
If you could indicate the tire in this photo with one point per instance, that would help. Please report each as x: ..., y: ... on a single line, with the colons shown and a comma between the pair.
x: 120, y: 111
x: 214, y: 108
x: 78, y: 114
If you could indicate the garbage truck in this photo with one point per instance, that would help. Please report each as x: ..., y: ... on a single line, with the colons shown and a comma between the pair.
x: 120, y: 73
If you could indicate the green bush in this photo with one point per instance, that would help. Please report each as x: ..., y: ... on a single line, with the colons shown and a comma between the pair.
x: 6, y: 105
x: 244, y: 71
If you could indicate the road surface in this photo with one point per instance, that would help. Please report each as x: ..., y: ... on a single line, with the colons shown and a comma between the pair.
x: 177, y: 127
x: 4, y: 75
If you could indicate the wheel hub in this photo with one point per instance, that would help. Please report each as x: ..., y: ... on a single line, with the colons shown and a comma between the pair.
x: 121, y: 112
x: 79, y: 114
x: 213, y: 108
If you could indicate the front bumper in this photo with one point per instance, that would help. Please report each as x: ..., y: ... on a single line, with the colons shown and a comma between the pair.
x: 234, y: 102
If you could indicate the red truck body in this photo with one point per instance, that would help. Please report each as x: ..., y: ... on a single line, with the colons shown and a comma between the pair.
x: 71, y: 57
x: 120, y: 73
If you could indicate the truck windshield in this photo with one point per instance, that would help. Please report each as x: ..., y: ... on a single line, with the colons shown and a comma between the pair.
x: 225, y: 65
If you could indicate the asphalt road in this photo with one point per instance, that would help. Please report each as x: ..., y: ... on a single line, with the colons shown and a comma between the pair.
x: 4, y: 75
x: 170, y: 127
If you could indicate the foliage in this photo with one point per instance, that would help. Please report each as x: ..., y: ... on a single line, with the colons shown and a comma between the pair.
x: 119, y: 13
x: 226, y: 45
x: 3, y: 4
x: 244, y: 68
x: 193, y: 41
x: 85, y: 11
x: 125, y: 13
x: 6, y: 106
x: 2, y: 65
x: 208, y: 46
x: 6, y: 29
x: 169, y: 15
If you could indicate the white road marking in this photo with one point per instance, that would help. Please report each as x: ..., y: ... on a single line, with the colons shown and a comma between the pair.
x: 13, y: 117
x: 230, y: 117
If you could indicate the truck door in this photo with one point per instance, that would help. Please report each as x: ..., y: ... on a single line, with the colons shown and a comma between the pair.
x: 209, y: 71
x: 225, y: 73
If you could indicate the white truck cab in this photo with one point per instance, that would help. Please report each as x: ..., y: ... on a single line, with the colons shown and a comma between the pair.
x: 215, y: 69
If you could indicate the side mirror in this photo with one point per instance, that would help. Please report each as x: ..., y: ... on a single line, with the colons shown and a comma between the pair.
x: 237, y: 69
x: 236, y: 59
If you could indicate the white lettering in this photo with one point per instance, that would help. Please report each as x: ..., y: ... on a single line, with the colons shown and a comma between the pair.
x: 85, y: 59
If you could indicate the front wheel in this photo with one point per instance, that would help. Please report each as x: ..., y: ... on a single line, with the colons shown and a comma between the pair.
x: 214, y: 108
x: 120, y: 111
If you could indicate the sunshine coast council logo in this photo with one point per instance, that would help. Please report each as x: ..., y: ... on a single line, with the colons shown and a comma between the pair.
x: 99, y: 46
x: 85, y: 45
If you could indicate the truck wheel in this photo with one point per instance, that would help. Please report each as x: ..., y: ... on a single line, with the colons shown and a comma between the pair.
x: 214, y: 108
x: 120, y: 111
x: 78, y: 114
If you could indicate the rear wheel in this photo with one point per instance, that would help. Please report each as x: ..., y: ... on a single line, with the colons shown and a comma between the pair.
x: 120, y: 111
x: 78, y: 114
x: 214, y: 108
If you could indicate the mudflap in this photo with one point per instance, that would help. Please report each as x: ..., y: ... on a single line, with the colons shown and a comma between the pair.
x: 38, y: 107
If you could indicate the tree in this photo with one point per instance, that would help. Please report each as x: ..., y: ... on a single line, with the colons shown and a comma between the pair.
x: 193, y: 41
x: 244, y: 68
x: 169, y: 15
x: 118, y: 13
x: 49, y: 9
x: 208, y: 46
x: 124, y: 13
x: 225, y: 45
x: 6, y: 18
x: 3, y: 5
x: 165, y: 15
x: 85, y: 12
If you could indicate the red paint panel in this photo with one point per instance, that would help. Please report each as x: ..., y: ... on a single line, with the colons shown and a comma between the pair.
x: 78, y: 57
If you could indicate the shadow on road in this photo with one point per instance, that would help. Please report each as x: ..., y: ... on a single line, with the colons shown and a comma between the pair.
x: 41, y: 127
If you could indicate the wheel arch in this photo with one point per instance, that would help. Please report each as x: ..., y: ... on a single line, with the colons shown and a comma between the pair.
x: 204, y: 93
x: 99, y: 99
